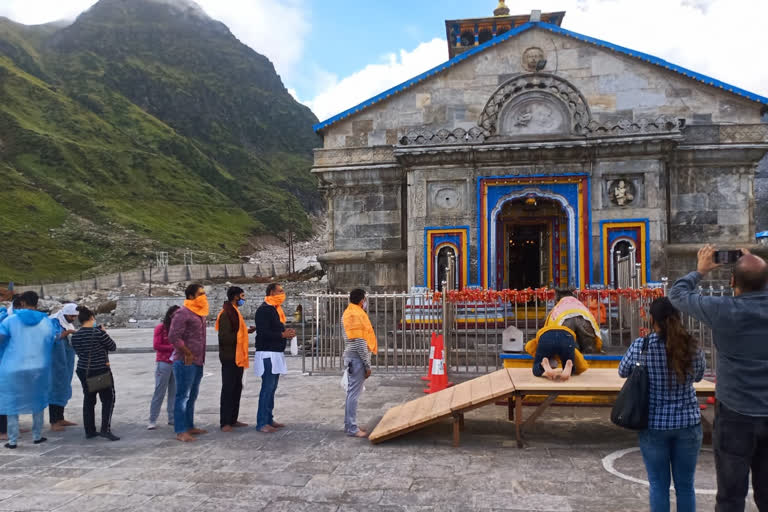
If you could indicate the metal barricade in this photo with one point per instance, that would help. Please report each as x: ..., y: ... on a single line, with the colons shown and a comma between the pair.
x: 472, y: 329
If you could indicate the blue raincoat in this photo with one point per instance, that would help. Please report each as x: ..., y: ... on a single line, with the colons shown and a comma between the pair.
x: 62, y: 366
x: 26, y: 342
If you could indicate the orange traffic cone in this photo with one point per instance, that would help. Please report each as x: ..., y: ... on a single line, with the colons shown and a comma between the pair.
x: 439, y: 379
x: 432, y: 344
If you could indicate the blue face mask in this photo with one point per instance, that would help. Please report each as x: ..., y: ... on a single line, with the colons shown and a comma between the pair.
x: 241, y: 302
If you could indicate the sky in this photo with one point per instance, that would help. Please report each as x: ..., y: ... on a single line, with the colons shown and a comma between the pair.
x: 334, y: 54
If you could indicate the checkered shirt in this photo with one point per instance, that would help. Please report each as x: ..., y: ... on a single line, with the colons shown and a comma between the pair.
x: 672, y: 405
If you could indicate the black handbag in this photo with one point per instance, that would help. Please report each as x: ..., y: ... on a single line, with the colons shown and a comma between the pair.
x: 631, y: 407
x: 97, y: 382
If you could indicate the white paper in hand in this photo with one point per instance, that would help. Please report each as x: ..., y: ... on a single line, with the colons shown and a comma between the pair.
x: 344, y: 383
x: 294, y: 346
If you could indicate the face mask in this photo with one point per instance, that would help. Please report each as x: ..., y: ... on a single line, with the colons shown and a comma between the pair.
x: 364, y: 305
x: 241, y: 302
x: 277, y: 300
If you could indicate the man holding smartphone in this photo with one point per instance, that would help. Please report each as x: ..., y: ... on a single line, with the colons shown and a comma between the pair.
x: 740, y: 332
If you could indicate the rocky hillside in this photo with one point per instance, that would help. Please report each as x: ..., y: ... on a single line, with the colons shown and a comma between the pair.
x: 144, y: 125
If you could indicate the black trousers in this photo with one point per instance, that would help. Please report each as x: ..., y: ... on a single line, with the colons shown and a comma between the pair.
x: 231, y: 389
x: 107, y: 397
x: 56, y: 413
x: 740, y: 443
x: 3, y: 424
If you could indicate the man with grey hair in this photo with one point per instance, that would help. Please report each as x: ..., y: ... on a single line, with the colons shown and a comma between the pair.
x: 740, y: 332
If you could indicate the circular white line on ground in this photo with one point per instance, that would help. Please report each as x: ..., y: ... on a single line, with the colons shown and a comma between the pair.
x: 609, y: 460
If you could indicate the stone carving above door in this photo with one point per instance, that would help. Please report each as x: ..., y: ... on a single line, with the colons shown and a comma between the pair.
x: 556, y: 97
x: 624, y: 191
x: 534, y: 114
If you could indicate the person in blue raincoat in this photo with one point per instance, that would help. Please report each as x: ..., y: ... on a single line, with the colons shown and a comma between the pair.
x: 62, y: 366
x: 26, y: 344
x: 3, y: 418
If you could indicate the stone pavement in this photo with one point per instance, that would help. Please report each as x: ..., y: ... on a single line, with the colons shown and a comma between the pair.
x: 311, y: 465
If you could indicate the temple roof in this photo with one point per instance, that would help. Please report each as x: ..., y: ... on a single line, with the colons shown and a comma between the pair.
x: 551, y: 28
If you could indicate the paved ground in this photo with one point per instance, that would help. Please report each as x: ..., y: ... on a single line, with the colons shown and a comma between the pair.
x: 311, y: 465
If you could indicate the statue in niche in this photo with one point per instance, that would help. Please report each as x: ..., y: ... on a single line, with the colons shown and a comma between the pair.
x: 622, y: 192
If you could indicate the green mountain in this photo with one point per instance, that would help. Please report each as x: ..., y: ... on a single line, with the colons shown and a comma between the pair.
x: 143, y: 126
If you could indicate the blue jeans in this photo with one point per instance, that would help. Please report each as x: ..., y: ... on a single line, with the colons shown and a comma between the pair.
x: 267, y: 396
x: 187, y: 386
x: 38, y: 419
x: 676, y: 449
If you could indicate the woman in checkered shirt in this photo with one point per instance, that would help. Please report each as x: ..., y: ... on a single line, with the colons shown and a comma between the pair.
x: 673, y: 438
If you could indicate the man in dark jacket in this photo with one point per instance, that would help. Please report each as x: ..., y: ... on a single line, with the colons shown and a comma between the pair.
x: 740, y: 330
x: 269, y: 361
x: 232, y: 332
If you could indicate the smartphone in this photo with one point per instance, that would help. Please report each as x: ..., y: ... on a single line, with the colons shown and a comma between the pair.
x: 727, y: 257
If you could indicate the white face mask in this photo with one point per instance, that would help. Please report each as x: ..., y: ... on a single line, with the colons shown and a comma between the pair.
x: 364, y: 305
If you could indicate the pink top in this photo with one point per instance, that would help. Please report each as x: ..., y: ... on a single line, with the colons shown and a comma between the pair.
x: 161, y: 345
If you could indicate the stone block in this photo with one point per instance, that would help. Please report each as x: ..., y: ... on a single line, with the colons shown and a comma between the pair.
x: 690, y: 202
x: 678, y: 92
x: 606, y: 65
x: 640, y: 99
x: 378, y: 231
x: 702, y: 118
x: 732, y: 217
x: 379, y: 202
x: 695, y: 217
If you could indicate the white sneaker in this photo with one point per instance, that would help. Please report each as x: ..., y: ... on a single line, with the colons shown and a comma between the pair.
x: 152, y: 426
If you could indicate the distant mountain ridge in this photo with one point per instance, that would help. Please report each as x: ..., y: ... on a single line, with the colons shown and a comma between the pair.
x: 144, y: 125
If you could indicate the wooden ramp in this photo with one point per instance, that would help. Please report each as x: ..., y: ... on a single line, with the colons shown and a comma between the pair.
x: 451, y: 402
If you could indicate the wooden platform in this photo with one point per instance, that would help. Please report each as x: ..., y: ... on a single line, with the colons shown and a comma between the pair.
x: 451, y: 402
x: 512, y: 383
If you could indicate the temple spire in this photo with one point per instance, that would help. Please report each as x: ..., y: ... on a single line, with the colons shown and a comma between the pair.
x: 501, y: 9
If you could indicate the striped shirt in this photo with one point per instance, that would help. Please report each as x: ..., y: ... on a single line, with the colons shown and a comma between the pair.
x: 671, y: 405
x: 93, y: 343
x: 357, y: 347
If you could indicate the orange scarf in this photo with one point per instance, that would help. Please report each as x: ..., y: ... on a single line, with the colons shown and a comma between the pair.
x: 198, y: 306
x: 358, y: 325
x: 241, y: 349
x: 277, y: 301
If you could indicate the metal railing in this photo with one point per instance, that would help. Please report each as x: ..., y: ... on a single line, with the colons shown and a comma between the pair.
x: 473, y: 329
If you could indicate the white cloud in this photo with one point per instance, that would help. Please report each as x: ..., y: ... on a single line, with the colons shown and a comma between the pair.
x: 394, y: 68
x: 720, y: 38
x: 275, y: 28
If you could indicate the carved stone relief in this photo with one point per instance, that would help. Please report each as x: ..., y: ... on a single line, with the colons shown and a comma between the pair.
x: 534, y: 114
x: 531, y: 58
x: 624, y: 191
x: 446, y: 197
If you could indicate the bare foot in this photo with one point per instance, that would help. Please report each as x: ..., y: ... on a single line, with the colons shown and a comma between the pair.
x: 566, y: 374
x: 226, y: 428
x: 361, y: 433
x: 197, y: 431
x: 57, y: 427
x: 268, y: 429
x: 3, y: 437
x: 185, y: 437
x: 275, y: 424
x: 240, y: 424
x: 65, y: 423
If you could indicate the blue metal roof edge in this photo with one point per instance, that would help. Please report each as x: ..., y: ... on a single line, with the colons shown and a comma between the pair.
x: 552, y: 28
x: 415, y: 80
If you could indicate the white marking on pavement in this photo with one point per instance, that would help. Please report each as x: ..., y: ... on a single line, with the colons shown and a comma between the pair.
x: 608, y: 464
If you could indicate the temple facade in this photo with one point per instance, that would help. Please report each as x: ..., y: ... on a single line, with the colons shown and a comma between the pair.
x: 534, y: 156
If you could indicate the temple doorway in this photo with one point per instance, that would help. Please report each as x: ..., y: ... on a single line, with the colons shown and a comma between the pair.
x: 533, y: 245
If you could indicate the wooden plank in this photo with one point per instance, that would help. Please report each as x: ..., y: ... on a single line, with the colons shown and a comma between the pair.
x: 462, y: 396
x: 442, y: 404
x: 501, y: 383
x: 388, y: 424
x: 593, y: 380
x: 481, y: 390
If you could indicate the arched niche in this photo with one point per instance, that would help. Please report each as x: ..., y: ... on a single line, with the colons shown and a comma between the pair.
x: 536, y: 105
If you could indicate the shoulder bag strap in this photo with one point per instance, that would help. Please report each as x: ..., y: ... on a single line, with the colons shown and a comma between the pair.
x: 90, y: 353
x: 644, y: 350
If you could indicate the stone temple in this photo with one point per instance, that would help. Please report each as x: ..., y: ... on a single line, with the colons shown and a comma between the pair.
x: 535, y: 154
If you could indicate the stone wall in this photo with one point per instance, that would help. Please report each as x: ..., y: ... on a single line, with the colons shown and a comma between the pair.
x: 170, y: 274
